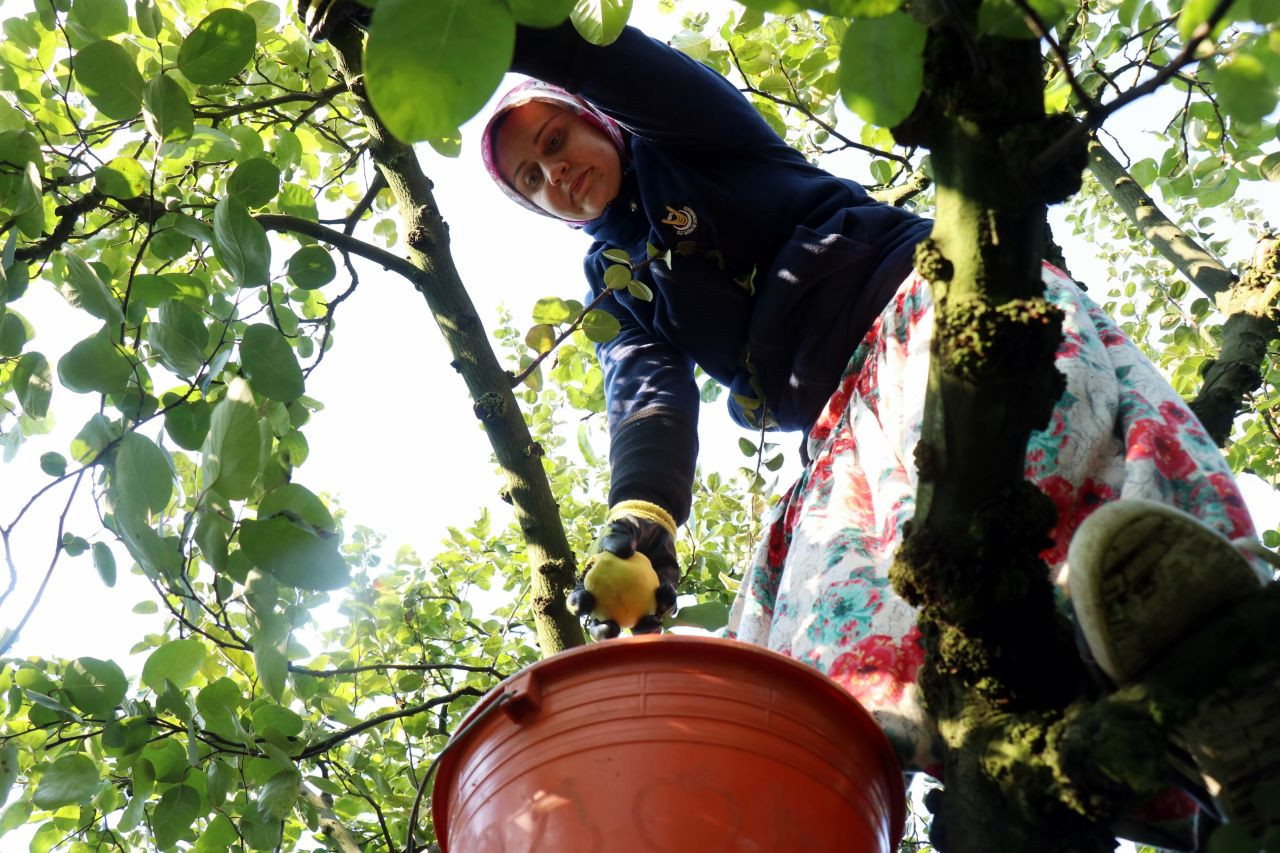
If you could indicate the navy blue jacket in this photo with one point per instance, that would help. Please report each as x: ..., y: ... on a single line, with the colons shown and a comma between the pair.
x: 778, y: 267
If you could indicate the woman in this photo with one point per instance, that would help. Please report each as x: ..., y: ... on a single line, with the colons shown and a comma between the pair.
x: 794, y: 289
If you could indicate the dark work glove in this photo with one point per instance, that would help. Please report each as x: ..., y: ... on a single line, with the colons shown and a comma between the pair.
x: 618, y: 591
x: 321, y: 17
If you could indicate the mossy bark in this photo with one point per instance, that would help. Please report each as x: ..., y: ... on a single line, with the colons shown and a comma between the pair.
x: 550, y: 557
x: 1001, y: 668
x: 1252, y: 306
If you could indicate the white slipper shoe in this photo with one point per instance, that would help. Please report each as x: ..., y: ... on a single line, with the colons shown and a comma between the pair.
x: 1142, y: 575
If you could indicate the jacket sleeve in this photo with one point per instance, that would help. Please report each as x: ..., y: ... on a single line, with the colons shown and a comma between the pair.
x: 651, y: 89
x: 652, y: 407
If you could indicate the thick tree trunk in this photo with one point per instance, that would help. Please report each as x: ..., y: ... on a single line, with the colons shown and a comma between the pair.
x: 1001, y: 666
x: 550, y: 558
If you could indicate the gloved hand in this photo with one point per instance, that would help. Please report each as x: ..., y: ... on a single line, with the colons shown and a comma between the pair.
x: 629, y: 579
x: 321, y: 17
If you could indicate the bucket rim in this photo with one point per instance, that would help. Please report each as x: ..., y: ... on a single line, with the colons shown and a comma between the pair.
x: 623, y: 647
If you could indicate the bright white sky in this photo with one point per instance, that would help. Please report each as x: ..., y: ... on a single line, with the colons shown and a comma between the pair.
x: 397, y: 443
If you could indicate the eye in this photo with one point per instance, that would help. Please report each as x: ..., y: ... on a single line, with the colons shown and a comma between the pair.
x: 532, y: 177
x: 554, y: 140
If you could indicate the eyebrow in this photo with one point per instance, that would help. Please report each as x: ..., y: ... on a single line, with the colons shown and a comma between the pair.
x: 515, y: 176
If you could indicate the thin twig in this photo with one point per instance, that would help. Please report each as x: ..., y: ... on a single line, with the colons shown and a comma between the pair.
x: 409, y: 667
x: 322, y: 746
x: 13, y: 635
x: 1093, y: 118
x: 809, y: 114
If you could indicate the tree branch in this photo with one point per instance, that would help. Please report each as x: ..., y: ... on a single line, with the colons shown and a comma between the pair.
x: 550, y: 558
x: 318, y: 98
x: 323, y: 746
x: 332, y: 828
x: 409, y: 667
x: 1202, y: 269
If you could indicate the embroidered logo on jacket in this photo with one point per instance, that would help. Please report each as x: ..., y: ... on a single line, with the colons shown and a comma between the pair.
x: 683, y: 220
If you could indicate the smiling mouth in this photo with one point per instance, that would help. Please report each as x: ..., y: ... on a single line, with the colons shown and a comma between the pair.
x: 575, y: 189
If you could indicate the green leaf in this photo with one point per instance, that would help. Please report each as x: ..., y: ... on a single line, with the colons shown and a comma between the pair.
x: 33, y: 382
x: 1245, y: 91
x: 53, y: 464
x: 95, y: 686
x: 882, y: 67
x: 312, y: 267
x: 1270, y: 166
x: 167, y: 110
x: 150, y: 20
x: 14, y: 330
x: 141, y: 476
x: 301, y: 503
x: 187, y: 424
x: 105, y: 562
x: 600, y: 21
x: 71, y: 780
x: 294, y: 554
x: 431, y: 66
x: 93, y: 438
x: 15, y: 816
x: 218, y: 700
x: 173, y: 816
x: 617, y: 277
x: 219, y: 47
x: 232, y: 453
x: 1004, y: 19
x: 1196, y: 12
x: 218, y: 779
x: 270, y: 643
x: 540, y: 338
x: 541, y: 13
x: 278, y: 794
x: 86, y: 291
x: 254, y: 182
x: 274, y: 717
x: 122, y: 178
x: 617, y: 256
x: 270, y: 364
x: 240, y: 243
x: 109, y: 78
x: 554, y: 311
x: 709, y: 616
x: 101, y: 18
x: 95, y: 364
x: 177, y: 661
x: 178, y: 336
x: 600, y: 326
x: 640, y: 290
x: 8, y: 769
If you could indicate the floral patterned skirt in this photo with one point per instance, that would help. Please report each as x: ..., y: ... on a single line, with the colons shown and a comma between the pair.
x: 817, y: 589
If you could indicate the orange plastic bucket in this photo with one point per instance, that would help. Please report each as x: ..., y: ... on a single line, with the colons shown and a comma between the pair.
x: 670, y: 744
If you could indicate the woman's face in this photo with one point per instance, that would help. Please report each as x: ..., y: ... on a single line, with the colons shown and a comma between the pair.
x: 558, y: 160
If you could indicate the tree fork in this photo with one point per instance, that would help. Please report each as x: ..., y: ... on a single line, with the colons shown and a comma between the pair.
x: 489, y: 385
x: 1001, y: 665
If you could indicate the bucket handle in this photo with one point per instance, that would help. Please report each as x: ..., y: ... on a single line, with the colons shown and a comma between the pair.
x: 522, y: 698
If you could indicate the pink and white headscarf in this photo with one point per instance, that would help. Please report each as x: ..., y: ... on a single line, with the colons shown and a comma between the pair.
x: 536, y: 90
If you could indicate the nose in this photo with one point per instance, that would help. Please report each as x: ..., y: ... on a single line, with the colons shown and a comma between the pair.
x: 556, y: 170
